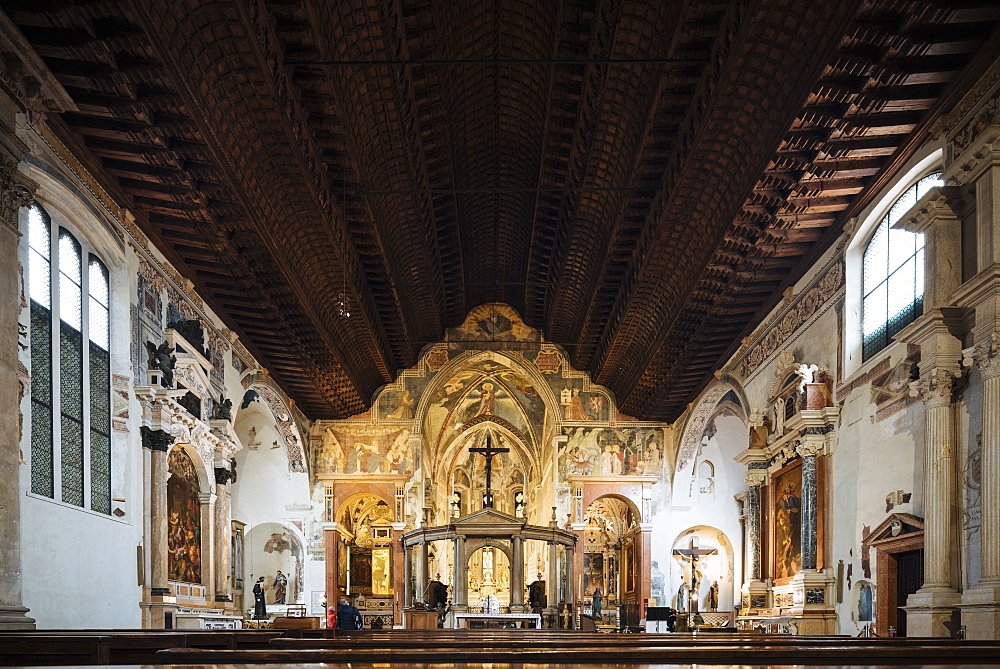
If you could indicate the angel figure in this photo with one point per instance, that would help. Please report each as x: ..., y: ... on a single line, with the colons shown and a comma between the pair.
x: 805, y: 373
x: 364, y: 452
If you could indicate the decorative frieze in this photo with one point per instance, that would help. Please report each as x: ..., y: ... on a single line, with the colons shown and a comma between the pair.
x: 774, y: 334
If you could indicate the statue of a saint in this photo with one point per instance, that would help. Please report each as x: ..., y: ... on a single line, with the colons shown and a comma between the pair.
x: 597, y: 601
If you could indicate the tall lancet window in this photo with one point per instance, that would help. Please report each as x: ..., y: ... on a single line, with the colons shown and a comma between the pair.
x: 70, y: 367
x: 893, y: 283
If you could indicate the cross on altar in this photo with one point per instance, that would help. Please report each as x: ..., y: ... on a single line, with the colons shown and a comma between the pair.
x: 692, y: 554
x: 489, y: 451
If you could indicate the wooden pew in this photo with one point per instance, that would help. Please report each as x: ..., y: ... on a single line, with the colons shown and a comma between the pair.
x: 805, y: 653
x: 125, y: 646
x: 48, y: 649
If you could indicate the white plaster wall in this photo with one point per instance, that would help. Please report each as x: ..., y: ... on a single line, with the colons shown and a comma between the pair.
x: 79, y: 567
x: 263, y: 492
x: 688, y: 508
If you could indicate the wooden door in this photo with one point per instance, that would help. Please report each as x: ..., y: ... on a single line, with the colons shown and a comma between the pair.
x: 909, y: 578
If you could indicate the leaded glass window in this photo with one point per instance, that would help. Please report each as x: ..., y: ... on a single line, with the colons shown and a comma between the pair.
x: 70, y: 367
x: 893, y: 282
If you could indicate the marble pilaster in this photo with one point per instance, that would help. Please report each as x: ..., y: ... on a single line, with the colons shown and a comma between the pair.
x: 407, y: 579
x: 552, y: 586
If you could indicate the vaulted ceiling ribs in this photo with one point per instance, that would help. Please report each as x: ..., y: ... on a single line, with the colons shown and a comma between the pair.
x: 632, y: 177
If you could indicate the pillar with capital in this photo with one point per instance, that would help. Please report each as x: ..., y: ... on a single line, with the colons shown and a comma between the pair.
x: 460, y: 582
x: 157, y: 443
x: 517, y: 574
x: 931, y: 610
x: 754, y: 593
x: 981, y: 603
x: 223, y: 536
x: 15, y: 192
x: 208, y: 546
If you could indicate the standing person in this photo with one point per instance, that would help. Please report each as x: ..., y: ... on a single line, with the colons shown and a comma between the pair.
x: 348, y: 616
x: 331, y: 618
x: 259, y: 607
x: 280, y: 586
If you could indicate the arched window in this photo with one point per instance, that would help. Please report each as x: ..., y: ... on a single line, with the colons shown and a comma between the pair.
x: 893, y: 278
x: 70, y: 367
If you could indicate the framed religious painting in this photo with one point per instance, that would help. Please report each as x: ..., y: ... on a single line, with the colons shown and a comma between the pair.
x: 786, y: 522
x: 628, y: 567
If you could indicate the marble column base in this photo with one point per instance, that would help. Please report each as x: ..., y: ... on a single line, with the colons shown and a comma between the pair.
x: 932, y: 612
x: 755, y: 595
x: 518, y: 608
x: 14, y: 618
x: 812, y: 603
x: 980, y: 611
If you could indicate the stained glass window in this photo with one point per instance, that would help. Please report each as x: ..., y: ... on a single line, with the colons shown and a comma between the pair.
x: 71, y: 368
x: 893, y: 282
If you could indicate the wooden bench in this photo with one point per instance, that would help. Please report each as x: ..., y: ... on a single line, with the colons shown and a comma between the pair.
x: 806, y: 653
x: 48, y: 649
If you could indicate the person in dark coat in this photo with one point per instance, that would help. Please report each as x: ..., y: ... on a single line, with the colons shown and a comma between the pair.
x: 348, y: 617
x: 259, y: 607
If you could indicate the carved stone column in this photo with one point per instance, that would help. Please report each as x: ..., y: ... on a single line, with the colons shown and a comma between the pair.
x: 754, y: 480
x: 207, y: 500
x: 568, y: 556
x: 223, y: 534
x: 552, y: 587
x: 13, y: 195
x: 422, y: 579
x: 460, y: 584
x: 810, y: 519
x: 981, y: 603
x: 158, y: 442
x: 407, y: 579
x: 400, y: 576
x: 930, y: 610
x: 517, y: 575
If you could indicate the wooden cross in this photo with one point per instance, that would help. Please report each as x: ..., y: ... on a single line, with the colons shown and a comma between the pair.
x: 489, y: 452
x: 692, y: 554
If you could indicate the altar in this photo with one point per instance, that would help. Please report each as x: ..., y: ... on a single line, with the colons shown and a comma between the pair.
x: 518, y: 620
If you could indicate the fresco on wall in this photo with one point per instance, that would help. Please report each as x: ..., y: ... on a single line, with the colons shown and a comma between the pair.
x: 365, y: 450
x: 611, y: 451
x: 787, y: 491
x: 184, y: 519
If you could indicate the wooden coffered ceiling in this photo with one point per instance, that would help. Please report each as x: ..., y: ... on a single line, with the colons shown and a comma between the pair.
x: 639, y: 179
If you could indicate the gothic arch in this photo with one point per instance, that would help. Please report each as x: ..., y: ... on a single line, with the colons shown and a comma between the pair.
x: 700, y: 416
x: 274, y: 402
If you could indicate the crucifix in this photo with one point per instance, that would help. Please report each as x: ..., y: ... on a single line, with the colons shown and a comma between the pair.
x: 489, y: 452
x: 692, y: 554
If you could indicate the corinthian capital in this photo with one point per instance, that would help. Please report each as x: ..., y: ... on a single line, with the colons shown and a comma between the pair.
x: 755, y: 478
x: 15, y: 191
x: 806, y: 448
x: 985, y: 355
x: 935, y: 387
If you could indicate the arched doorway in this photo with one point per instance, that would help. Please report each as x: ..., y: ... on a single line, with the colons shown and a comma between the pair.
x: 488, y: 575
x: 365, y: 565
x: 611, y: 564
